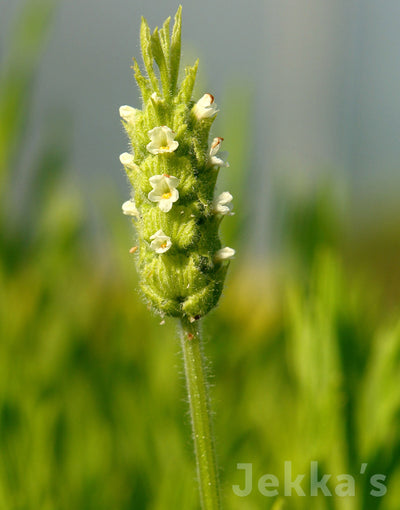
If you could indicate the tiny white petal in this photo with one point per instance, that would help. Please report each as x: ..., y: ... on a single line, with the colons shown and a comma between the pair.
x: 165, y: 205
x: 129, y: 208
x: 160, y: 242
x: 127, y: 113
x: 162, y: 140
x: 171, y: 180
x: 174, y: 194
x: 158, y: 233
x: 205, y: 107
x: 155, y: 179
x: 224, y: 254
x: 216, y: 161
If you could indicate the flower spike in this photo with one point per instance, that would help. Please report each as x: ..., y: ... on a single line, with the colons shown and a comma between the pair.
x: 172, y: 171
x: 178, y: 254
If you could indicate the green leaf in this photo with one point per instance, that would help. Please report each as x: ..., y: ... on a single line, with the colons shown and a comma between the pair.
x: 165, y: 38
x: 175, y: 56
x: 161, y: 62
x: 143, y: 83
x: 186, y: 90
x: 145, y: 43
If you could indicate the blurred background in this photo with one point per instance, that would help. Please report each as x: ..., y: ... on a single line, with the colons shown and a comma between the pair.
x: 305, y: 346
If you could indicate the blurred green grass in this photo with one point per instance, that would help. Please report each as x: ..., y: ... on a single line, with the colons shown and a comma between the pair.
x: 92, y: 402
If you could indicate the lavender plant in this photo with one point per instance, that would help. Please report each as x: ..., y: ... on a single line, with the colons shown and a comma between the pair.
x: 173, y: 168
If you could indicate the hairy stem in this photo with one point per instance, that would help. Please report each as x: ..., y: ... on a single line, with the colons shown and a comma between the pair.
x: 200, y: 414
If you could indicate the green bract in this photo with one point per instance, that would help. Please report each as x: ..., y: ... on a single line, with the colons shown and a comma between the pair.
x: 173, y: 168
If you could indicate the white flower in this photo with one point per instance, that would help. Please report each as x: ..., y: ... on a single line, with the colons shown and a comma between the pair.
x: 205, y: 107
x: 129, y: 208
x: 224, y: 254
x: 214, y: 160
x: 127, y: 113
x: 127, y: 159
x: 160, y: 242
x: 223, y: 204
x: 162, y: 140
x: 164, y: 191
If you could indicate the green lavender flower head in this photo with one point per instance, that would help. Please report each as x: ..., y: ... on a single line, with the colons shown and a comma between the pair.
x: 173, y: 167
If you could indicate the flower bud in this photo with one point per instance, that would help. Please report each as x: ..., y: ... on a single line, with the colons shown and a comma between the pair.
x: 223, y: 204
x: 127, y: 159
x: 224, y: 254
x: 127, y: 113
x: 129, y: 208
x: 213, y: 159
x: 205, y: 107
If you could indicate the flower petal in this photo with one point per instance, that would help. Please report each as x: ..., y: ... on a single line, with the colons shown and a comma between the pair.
x: 155, y: 179
x: 174, y: 195
x: 165, y: 205
x: 171, y: 180
x: 154, y: 196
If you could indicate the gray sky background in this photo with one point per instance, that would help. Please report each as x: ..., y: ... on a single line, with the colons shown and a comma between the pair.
x: 324, y: 75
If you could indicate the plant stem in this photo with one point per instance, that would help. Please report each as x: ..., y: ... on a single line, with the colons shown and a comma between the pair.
x: 200, y: 413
